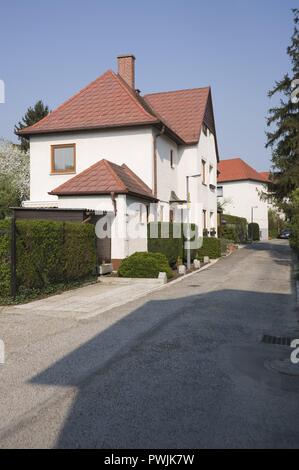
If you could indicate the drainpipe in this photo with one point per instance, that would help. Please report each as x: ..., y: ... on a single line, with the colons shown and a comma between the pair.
x: 155, y: 157
x: 113, y: 198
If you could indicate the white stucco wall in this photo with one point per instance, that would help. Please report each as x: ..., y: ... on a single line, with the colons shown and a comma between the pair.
x: 131, y: 146
x: 240, y: 197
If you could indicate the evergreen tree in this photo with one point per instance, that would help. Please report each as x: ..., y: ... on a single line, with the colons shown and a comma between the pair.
x: 32, y: 115
x: 284, y: 123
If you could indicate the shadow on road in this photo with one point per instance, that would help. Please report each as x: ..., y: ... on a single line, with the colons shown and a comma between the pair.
x: 196, y: 378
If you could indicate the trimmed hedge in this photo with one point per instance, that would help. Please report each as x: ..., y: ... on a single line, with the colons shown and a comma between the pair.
x: 4, y: 258
x: 233, y: 228
x: 224, y: 245
x: 210, y: 247
x: 254, y: 231
x: 145, y: 265
x: 172, y: 248
x: 48, y: 254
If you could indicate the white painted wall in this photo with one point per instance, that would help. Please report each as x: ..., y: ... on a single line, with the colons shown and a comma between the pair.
x: 131, y: 146
x: 240, y: 197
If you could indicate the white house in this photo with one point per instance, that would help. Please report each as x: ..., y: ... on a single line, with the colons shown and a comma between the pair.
x: 239, y: 190
x: 108, y: 146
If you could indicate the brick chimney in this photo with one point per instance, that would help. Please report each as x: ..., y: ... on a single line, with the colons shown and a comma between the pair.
x: 126, y: 69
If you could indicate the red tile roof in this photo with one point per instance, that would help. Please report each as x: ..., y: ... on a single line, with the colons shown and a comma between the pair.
x: 265, y: 175
x: 109, y: 102
x: 106, y: 102
x: 104, y: 177
x: 235, y: 169
x: 182, y: 110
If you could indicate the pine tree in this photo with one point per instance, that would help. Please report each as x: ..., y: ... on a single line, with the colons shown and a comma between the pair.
x: 284, y: 119
x: 32, y: 115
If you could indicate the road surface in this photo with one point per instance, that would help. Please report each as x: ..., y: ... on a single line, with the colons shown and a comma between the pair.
x: 183, y: 368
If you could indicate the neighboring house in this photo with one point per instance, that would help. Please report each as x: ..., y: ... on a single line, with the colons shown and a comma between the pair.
x: 108, y: 146
x: 239, y: 190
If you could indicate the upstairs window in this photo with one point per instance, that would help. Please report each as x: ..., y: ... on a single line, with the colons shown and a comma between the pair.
x: 220, y: 191
x: 63, y: 158
x: 203, y: 171
x: 171, y: 159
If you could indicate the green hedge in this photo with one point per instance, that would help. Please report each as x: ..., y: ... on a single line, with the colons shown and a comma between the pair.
x: 53, y: 252
x: 210, y: 247
x: 172, y: 248
x: 233, y: 228
x: 254, y: 231
x: 145, y: 265
x: 4, y: 258
x: 47, y: 253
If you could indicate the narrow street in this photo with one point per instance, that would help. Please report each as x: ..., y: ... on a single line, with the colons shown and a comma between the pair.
x: 184, y: 367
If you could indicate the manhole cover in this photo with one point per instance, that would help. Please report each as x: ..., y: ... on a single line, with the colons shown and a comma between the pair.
x: 281, y: 340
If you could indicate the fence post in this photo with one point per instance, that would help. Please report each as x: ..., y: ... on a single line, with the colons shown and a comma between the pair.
x: 13, y: 260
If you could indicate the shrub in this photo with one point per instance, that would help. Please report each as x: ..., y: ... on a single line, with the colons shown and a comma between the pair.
x: 254, y: 231
x: 145, y: 265
x: 224, y: 245
x: 172, y: 248
x: 53, y: 252
x: 210, y: 247
x: 233, y: 228
x: 4, y: 258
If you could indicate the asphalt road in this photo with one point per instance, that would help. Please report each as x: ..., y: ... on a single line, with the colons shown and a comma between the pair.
x: 183, y: 368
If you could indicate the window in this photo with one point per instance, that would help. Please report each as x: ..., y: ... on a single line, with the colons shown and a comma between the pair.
x: 171, y: 159
x: 203, y: 171
x: 204, y: 219
x: 63, y: 158
x: 219, y: 191
x: 211, y: 174
x: 171, y: 216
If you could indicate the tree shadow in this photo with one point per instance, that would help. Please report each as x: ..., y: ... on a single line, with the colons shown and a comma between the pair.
x: 191, y: 372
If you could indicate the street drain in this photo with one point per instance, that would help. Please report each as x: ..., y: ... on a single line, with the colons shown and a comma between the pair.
x: 194, y: 285
x: 281, y: 340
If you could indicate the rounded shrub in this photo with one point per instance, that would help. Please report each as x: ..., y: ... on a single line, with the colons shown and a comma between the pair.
x: 145, y: 265
x: 254, y: 231
x: 211, y: 247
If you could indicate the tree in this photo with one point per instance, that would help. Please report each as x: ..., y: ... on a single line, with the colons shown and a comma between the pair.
x: 14, y: 168
x: 32, y: 115
x: 283, y: 120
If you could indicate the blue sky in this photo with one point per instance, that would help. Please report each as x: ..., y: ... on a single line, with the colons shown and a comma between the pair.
x: 49, y: 50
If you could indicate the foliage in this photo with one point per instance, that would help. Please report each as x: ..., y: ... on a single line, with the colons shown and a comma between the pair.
x: 283, y: 137
x: 172, y: 246
x: 294, y: 241
x: 49, y: 255
x: 224, y: 243
x: 145, y: 265
x: 233, y: 228
x: 275, y: 222
x: 9, y: 196
x: 4, y: 258
x: 32, y: 115
x: 14, y: 166
x: 211, y: 247
x: 254, y: 231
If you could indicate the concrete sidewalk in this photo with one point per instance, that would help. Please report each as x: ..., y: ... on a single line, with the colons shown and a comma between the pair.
x: 89, y: 301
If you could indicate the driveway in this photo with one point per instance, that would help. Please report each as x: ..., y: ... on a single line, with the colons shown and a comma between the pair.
x: 184, y: 367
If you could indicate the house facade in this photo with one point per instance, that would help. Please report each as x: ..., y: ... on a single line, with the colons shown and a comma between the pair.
x: 239, y: 191
x: 79, y: 151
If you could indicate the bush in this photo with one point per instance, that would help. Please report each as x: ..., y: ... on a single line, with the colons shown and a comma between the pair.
x: 145, y: 265
x: 233, y: 228
x: 254, y: 231
x: 4, y: 258
x: 172, y: 248
x: 210, y: 247
x: 53, y: 252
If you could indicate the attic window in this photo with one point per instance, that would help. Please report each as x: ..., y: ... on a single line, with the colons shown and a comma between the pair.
x: 171, y: 159
x: 63, y: 158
